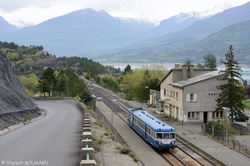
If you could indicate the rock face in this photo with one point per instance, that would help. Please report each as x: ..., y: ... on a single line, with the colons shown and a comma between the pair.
x: 13, y: 97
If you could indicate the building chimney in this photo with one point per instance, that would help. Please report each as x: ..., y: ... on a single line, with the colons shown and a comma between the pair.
x: 191, y: 71
x: 184, y: 72
x: 177, y: 66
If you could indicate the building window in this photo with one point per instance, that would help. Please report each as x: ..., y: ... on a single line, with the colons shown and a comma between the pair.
x: 177, y: 96
x: 193, y: 115
x: 191, y: 97
x: 173, y: 94
x: 217, y: 115
x: 164, y: 92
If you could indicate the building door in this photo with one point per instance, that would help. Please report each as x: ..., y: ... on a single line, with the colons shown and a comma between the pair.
x: 204, y: 117
x: 177, y: 112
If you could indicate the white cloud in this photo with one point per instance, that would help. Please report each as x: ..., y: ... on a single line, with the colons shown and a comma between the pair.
x: 36, y: 11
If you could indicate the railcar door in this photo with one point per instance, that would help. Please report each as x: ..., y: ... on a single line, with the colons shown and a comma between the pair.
x: 132, y: 120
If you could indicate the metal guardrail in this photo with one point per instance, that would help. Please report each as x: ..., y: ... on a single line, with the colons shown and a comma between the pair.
x: 117, y: 136
x: 220, y: 135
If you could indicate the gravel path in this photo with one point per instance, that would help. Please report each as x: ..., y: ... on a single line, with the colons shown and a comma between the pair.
x: 107, y: 153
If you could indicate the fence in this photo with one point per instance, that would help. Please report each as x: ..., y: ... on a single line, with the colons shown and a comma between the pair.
x: 117, y: 136
x: 219, y: 132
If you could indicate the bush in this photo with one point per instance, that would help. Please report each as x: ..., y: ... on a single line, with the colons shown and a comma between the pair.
x: 27, y: 117
x: 126, y: 150
x: 100, y: 141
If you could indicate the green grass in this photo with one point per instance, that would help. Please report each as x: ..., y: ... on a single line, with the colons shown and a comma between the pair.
x: 6, y: 126
x: 171, y: 118
x: 27, y: 117
x: 99, y: 141
x: 128, y: 151
x: 247, y: 104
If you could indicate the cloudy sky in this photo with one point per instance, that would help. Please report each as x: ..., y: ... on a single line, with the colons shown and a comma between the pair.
x: 36, y: 11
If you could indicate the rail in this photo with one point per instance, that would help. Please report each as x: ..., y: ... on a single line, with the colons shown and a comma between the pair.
x: 120, y: 108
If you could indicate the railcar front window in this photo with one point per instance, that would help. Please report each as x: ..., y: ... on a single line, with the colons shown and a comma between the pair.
x: 172, y: 135
x: 166, y: 136
x: 159, y: 135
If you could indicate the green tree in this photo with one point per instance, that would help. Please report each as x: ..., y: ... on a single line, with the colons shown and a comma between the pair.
x: 85, y: 95
x: 30, y: 83
x: 143, y: 89
x: 188, y: 61
x: 43, y: 87
x: 87, y: 76
x: 127, y: 70
x: 61, y: 83
x: 154, y: 84
x: 210, y: 61
x: 130, y: 84
x: 248, y: 91
x: 98, y: 79
x: 72, y: 82
x: 232, y: 93
x: 74, y: 85
x: 48, y: 80
x: 200, y: 66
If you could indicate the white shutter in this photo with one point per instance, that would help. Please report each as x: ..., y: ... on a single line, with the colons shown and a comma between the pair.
x: 188, y: 97
x: 195, y: 97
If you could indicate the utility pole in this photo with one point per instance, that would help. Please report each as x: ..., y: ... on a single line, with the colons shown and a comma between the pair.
x: 226, y: 110
x: 112, y: 114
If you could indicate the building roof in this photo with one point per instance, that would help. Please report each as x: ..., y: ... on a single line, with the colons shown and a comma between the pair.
x: 198, y: 78
x: 151, y: 121
x: 181, y: 71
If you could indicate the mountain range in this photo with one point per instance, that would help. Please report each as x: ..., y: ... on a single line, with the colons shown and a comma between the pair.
x: 98, y: 35
x: 80, y: 32
x: 175, y: 47
x: 6, y: 28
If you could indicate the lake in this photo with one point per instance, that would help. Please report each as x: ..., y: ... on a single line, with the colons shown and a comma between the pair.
x: 245, y: 70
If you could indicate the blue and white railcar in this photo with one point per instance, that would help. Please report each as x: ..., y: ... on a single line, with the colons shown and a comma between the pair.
x: 154, y: 131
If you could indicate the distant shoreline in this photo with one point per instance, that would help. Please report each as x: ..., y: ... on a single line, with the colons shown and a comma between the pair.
x: 245, y: 67
x: 167, y: 65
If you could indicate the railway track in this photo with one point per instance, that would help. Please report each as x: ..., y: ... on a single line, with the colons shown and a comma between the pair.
x: 182, y: 155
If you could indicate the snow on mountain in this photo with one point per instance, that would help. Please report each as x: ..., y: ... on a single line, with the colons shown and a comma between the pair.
x: 184, y: 16
x: 140, y: 20
x: 215, y: 10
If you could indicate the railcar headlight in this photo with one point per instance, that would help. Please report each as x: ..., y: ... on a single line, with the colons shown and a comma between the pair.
x: 160, y: 143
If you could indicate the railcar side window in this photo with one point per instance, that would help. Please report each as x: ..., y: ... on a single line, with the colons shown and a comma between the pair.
x: 172, y: 135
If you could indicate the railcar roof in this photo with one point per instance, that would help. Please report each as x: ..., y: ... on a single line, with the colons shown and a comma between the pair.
x: 151, y: 121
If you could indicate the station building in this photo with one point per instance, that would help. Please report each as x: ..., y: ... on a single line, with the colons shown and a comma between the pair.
x: 189, y: 94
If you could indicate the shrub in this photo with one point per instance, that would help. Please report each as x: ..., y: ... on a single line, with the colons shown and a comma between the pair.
x: 27, y: 117
x: 99, y: 141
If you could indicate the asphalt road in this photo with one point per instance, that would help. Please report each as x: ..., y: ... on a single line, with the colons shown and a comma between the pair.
x: 53, y: 140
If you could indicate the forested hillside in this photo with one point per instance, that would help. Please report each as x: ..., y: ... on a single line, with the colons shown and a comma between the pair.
x: 33, y: 59
x: 30, y: 63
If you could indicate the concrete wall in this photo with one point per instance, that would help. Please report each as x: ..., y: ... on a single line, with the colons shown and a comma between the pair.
x: 207, y: 93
